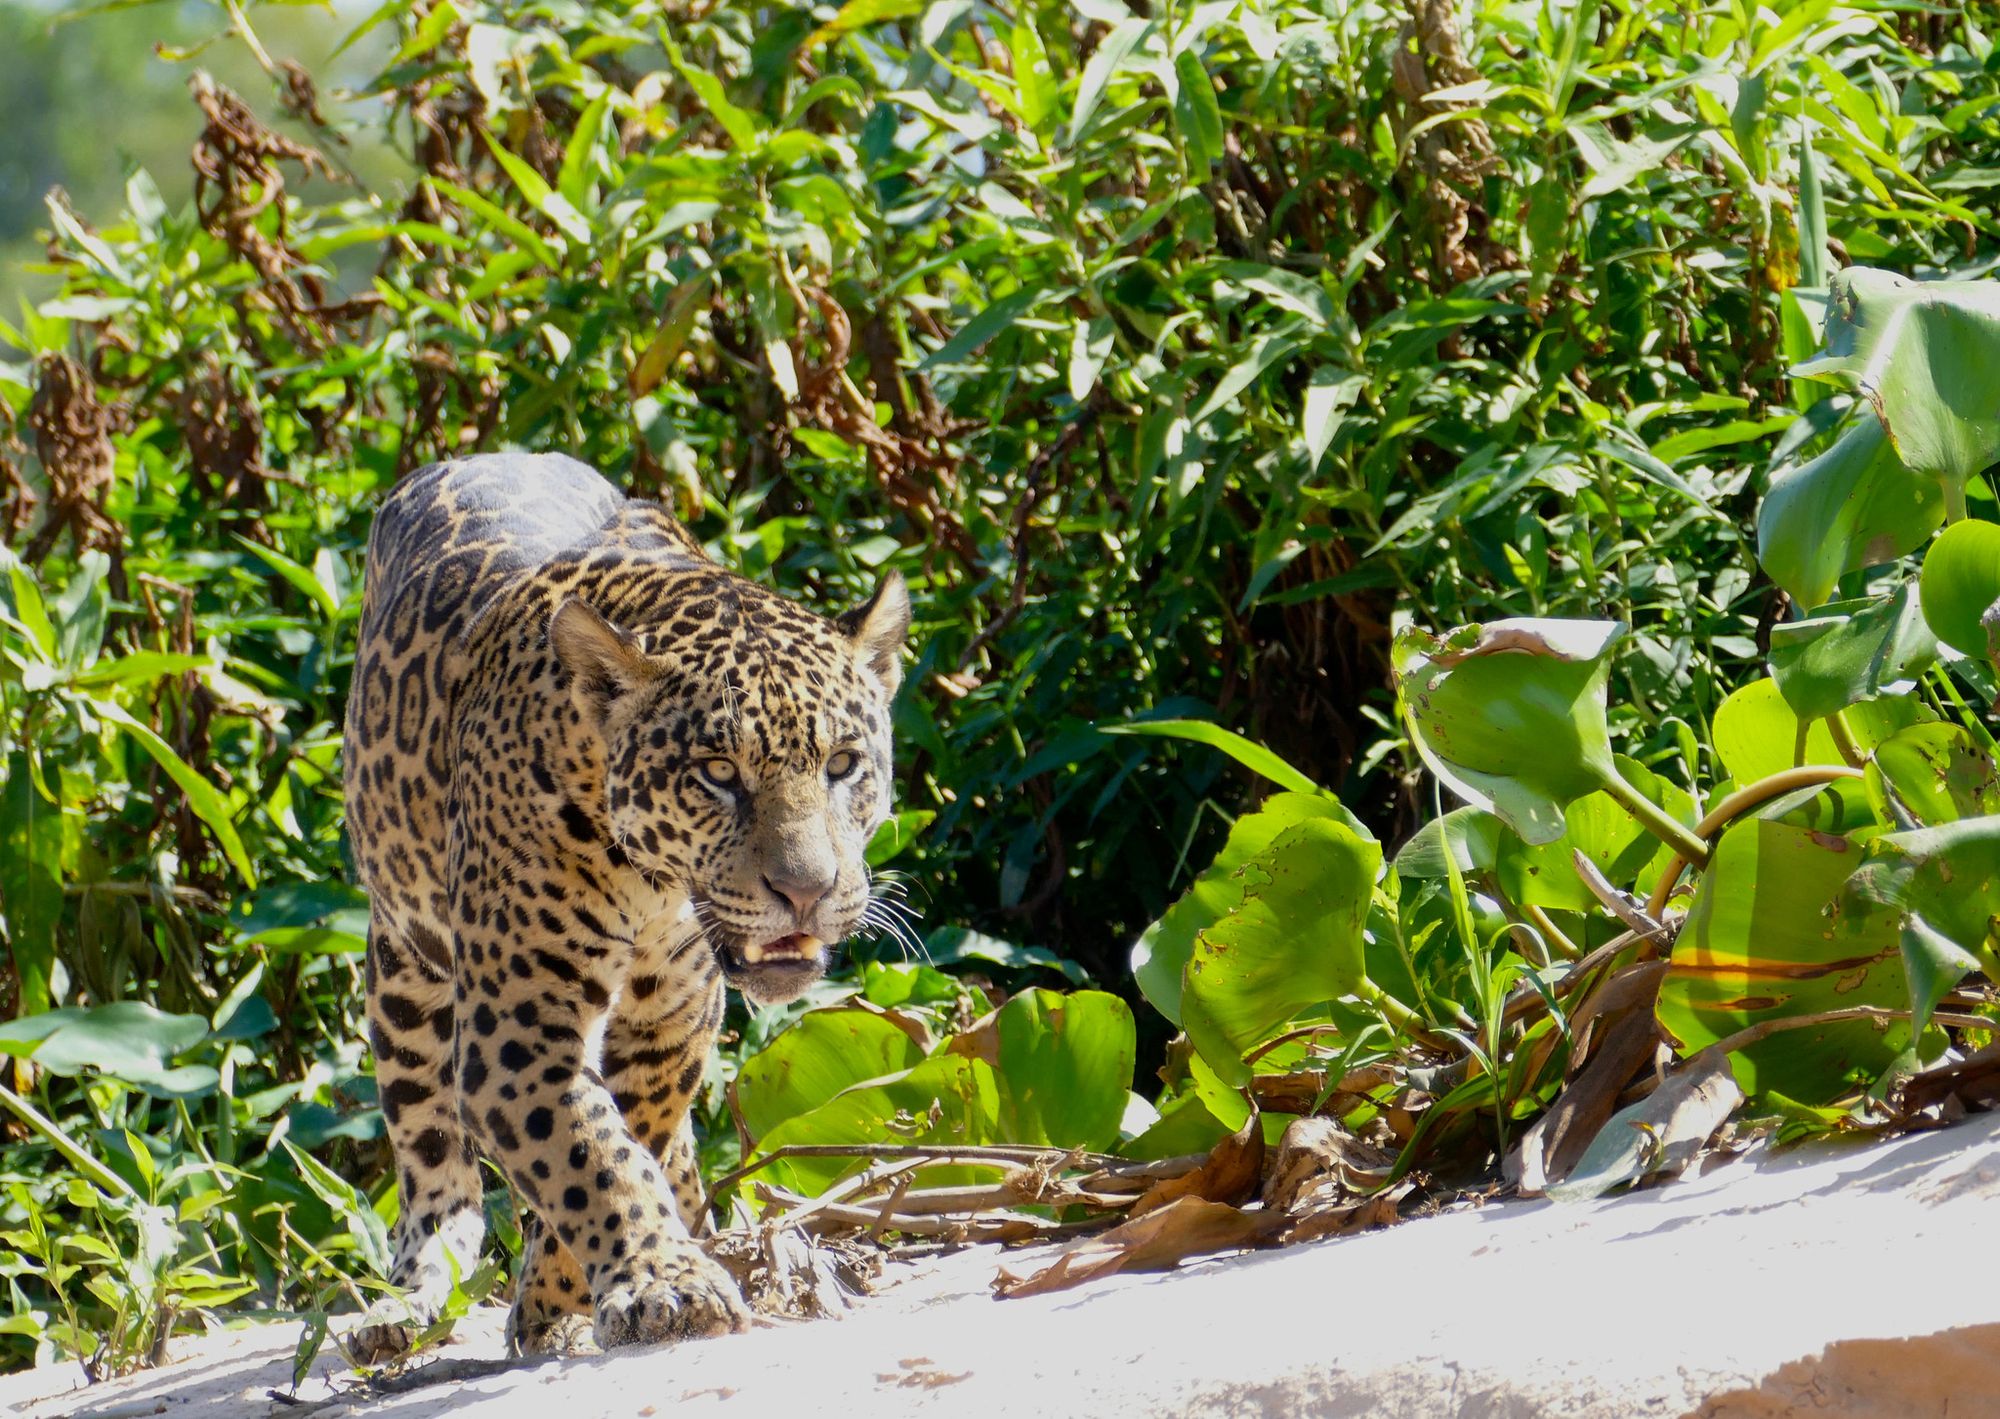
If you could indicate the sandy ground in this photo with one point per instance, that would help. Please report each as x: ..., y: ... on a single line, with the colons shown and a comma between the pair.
x: 1831, y: 1281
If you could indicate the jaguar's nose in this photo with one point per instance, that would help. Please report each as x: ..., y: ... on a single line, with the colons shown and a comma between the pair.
x: 802, y: 889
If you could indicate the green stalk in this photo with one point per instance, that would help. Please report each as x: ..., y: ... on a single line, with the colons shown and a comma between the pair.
x: 65, y: 1145
x: 1954, y: 500
x: 1657, y: 821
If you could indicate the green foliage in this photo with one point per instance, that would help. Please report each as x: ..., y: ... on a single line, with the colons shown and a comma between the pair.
x: 1163, y: 353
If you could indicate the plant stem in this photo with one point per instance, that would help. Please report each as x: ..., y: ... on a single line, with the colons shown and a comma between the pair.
x: 1844, y: 741
x: 1737, y: 804
x: 1954, y: 501
x: 1552, y: 935
x: 1656, y: 820
x: 65, y: 1145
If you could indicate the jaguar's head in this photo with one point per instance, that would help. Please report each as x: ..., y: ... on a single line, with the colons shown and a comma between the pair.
x: 747, y: 762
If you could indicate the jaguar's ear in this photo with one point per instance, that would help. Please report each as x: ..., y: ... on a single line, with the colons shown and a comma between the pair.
x: 877, y: 627
x: 603, y: 661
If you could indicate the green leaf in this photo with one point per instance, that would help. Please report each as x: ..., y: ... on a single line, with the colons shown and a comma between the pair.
x: 1329, y: 395
x: 1851, y: 651
x: 897, y: 832
x: 1603, y: 830
x: 1253, y: 756
x: 821, y: 1054
x: 1756, y: 734
x: 1854, y: 506
x: 1090, y: 345
x: 1948, y: 875
x: 202, y: 796
x: 1063, y: 1064
x: 948, y: 1098
x: 1197, y: 115
x: 1035, y: 79
x: 1961, y: 588
x: 1161, y: 954
x: 1294, y: 941
x: 985, y: 325
x: 300, y: 577
x: 852, y: 16
x: 1774, y: 933
x: 1265, y: 352
x: 1933, y: 964
x: 540, y: 195
x: 1105, y: 61
x: 1934, y: 773
x: 1926, y: 356
x: 1511, y: 715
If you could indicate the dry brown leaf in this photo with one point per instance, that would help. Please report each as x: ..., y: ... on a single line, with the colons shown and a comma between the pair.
x: 1551, y: 1148
x: 1159, y: 1241
x: 1321, y: 1164
x: 1230, y: 1174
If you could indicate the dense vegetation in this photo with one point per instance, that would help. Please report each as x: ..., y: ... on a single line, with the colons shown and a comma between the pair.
x: 1180, y: 359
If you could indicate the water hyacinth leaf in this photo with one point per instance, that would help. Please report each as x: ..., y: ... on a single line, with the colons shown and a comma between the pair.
x: 1295, y: 941
x: 1933, y: 773
x: 949, y: 1098
x: 1926, y: 356
x: 1933, y: 963
x: 1471, y: 835
x: 1063, y: 1065
x: 1948, y: 875
x: 1961, y: 588
x: 1160, y: 956
x: 1853, y: 506
x: 1756, y: 734
x: 1773, y: 933
x: 1851, y: 651
x: 1510, y: 715
x: 823, y: 1053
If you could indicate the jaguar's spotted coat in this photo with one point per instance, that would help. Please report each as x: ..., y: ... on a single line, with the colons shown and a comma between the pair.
x: 591, y: 776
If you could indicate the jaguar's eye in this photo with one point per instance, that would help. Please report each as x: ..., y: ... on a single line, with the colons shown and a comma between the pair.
x: 720, y: 772
x: 842, y: 764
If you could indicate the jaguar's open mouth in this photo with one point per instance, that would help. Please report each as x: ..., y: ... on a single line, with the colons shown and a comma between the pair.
x: 773, y: 972
x: 786, y: 950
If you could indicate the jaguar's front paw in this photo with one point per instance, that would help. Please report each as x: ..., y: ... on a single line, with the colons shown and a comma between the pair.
x: 681, y: 1296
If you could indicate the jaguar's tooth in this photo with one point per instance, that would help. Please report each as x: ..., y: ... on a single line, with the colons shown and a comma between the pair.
x: 752, y: 953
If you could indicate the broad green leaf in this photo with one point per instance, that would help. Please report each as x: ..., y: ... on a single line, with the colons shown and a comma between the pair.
x: 1935, y: 773
x: 299, y: 576
x: 540, y: 195
x: 1063, y: 1066
x: 1264, y: 353
x: 1851, y: 651
x: 1511, y: 715
x: 126, y: 1039
x: 948, y: 1098
x: 1472, y: 835
x: 1773, y: 933
x: 1854, y: 506
x: 1949, y: 875
x: 1160, y: 955
x: 821, y: 1054
x: 1961, y: 588
x: 1755, y: 734
x: 1933, y: 964
x: 1294, y: 941
x: 1926, y: 356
